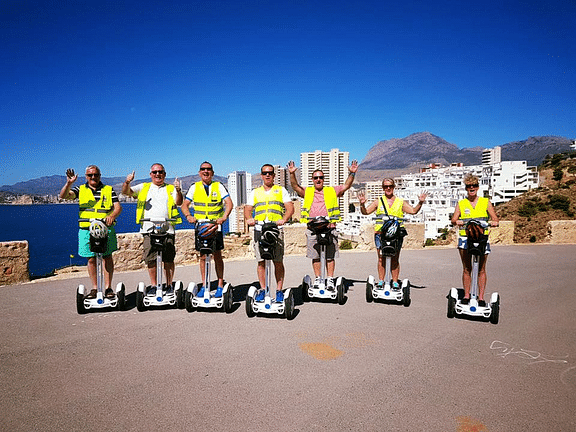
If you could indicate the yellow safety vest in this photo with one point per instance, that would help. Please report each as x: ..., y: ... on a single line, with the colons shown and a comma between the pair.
x: 268, y: 205
x: 207, y: 206
x: 89, y: 208
x: 469, y: 212
x: 330, y: 200
x: 172, y: 208
x: 395, y: 210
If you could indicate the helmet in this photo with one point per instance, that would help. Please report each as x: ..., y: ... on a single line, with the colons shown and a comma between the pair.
x: 203, y: 230
x: 390, y: 228
x: 474, y: 230
x: 98, y: 229
x: 270, y: 233
x: 318, y: 224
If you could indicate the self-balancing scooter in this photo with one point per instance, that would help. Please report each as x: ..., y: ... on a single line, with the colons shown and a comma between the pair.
x: 320, y: 227
x: 476, y: 244
x: 390, y: 245
x: 200, y: 296
x: 98, y: 243
x: 266, y: 300
x: 161, y: 294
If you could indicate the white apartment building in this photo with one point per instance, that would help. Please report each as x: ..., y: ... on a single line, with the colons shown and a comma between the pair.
x: 239, y: 186
x: 334, y: 164
x: 492, y: 156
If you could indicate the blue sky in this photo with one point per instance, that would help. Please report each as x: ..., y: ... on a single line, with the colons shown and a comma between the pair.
x: 123, y: 84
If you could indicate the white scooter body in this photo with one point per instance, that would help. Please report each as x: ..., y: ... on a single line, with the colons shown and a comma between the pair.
x: 387, y: 292
x: 159, y: 295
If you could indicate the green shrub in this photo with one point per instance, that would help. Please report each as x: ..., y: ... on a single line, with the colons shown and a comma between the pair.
x: 346, y: 245
x: 429, y: 242
x: 557, y: 174
x: 559, y: 202
x: 533, y: 239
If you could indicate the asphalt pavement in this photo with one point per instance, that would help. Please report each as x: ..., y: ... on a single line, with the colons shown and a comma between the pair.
x: 358, y: 366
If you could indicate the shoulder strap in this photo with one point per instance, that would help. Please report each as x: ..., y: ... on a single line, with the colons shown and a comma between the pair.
x: 384, y: 205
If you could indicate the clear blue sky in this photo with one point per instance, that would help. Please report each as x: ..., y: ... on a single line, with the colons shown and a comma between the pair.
x: 123, y: 84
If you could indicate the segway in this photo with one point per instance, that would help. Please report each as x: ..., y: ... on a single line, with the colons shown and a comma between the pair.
x: 265, y: 300
x: 476, y: 244
x: 391, y: 237
x: 98, y: 243
x: 161, y: 294
x: 200, y: 296
x: 320, y: 227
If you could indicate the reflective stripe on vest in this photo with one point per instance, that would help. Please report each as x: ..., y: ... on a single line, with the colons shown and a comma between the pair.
x: 330, y: 200
x: 468, y: 212
x: 268, y: 205
x: 207, y: 206
x: 89, y: 208
x: 395, y: 210
x: 172, y: 208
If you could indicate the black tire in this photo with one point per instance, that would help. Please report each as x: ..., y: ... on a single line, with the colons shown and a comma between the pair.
x: 179, y: 295
x: 249, y: 306
x: 495, y: 315
x: 369, y: 295
x: 80, y: 303
x: 305, y: 296
x: 451, y: 307
x: 289, y: 307
x: 406, y: 300
x: 188, y: 301
x: 228, y: 300
x: 121, y: 298
x: 140, y: 301
x: 340, y: 297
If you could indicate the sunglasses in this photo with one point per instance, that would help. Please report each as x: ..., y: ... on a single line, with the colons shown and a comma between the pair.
x: 205, y: 169
x: 267, y: 173
x: 470, y: 186
x: 318, y: 178
x: 158, y: 172
x: 92, y: 175
x: 387, y: 187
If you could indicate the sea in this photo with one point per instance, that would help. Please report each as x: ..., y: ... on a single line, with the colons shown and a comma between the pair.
x: 52, y: 232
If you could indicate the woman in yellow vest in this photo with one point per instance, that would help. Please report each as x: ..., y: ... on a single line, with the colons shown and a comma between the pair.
x: 393, y: 206
x: 473, y: 207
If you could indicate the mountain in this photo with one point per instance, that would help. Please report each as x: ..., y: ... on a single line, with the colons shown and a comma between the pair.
x: 423, y: 148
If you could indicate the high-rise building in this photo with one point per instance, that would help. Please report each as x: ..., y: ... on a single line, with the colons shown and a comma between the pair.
x: 239, y: 186
x: 492, y: 156
x: 334, y: 164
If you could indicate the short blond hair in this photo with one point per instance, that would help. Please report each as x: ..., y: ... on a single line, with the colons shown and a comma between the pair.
x: 471, y: 179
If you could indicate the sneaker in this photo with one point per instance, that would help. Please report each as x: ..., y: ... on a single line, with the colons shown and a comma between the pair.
x: 330, y: 283
x: 170, y: 289
x: 395, y: 285
x: 151, y: 291
x: 109, y: 293
x: 200, y: 292
x: 318, y: 281
x: 92, y: 294
x: 380, y: 284
x: 218, y: 292
x: 465, y: 301
x: 260, y: 296
x: 481, y: 303
x: 279, y: 296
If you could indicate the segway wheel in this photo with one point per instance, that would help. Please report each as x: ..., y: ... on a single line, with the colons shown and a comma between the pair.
x: 289, y: 306
x: 369, y: 295
x: 228, y: 300
x: 121, y: 294
x: 495, y: 315
x: 80, y: 303
x: 250, y: 306
x: 140, y: 301
x: 188, y: 301
x: 305, y: 296
x: 340, y: 298
x: 451, y: 307
x: 406, y: 295
x: 179, y: 295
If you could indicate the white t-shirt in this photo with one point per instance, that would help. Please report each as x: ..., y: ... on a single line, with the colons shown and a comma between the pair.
x: 156, y: 206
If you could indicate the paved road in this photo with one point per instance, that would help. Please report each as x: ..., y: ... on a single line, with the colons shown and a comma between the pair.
x: 360, y: 366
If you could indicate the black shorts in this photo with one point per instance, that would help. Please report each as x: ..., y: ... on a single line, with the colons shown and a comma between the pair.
x: 167, y: 255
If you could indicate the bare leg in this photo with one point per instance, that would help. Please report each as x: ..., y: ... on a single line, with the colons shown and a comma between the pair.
x: 152, y: 273
x: 92, y: 272
x: 219, y: 264
x: 108, y: 270
x: 316, y: 267
x: 482, y: 277
x: 395, y: 267
x: 380, y: 266
x: 261, y: 271
x: 330, y: 266
x: 279, y: 273
x: 466, y: 272
x: 169, y: 271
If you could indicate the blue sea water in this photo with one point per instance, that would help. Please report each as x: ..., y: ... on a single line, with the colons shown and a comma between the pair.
x: 52, y: 232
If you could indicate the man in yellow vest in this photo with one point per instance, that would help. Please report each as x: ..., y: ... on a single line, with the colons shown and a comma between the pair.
x: 96, y: 201
x: 210, y: 201
x: 321, y: 201
x: 270, y: 203
x: 156, y: 200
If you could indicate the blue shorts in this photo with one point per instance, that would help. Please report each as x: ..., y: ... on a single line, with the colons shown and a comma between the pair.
x: 84, y: 243
x: 463, y: 244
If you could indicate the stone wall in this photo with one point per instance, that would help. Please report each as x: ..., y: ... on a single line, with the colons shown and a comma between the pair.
x: 562, y: 232
x: 14, y: 258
